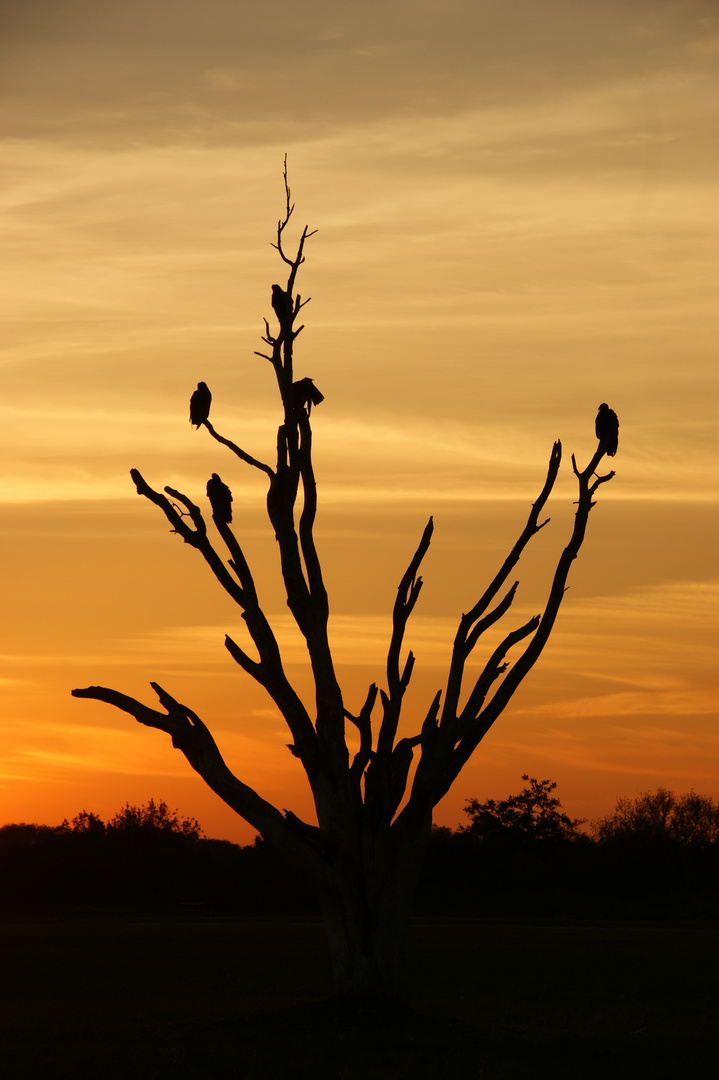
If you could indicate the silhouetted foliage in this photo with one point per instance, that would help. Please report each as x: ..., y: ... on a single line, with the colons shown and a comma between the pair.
x: 516, y: 856
x: 655, y: 857
x: 661, y: 815
x: 149, y: 857
x: 659, y: 852
x: 154, y: 818
x: 84, y: 822
x: 532, y: 816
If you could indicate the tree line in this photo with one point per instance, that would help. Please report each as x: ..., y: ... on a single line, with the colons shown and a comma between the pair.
x: 655, y: 856
x: 146, y: 857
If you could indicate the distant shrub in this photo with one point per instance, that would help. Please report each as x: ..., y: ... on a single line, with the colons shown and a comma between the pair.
x: 661, y: 815
x: 532, y: 816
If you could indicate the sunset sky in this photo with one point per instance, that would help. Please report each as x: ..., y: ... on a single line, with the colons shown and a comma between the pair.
x: 517, y: 212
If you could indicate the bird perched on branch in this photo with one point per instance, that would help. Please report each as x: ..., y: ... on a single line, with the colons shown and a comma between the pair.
x: 606, y: 427
x: 305, y: 394
x: 279, y: 302
x: 220, y: 498
x: 200, y: 404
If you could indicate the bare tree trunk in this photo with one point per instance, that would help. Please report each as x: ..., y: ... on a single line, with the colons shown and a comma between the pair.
x: 366, y: 905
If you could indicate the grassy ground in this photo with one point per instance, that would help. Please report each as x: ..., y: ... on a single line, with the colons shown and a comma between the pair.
x: 196, y: 998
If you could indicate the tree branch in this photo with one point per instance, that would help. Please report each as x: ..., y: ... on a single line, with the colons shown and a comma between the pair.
x: 530, y: 529
x: 436, y: 772
x: 307, y: 517
x: 268, y: 671
x: 466, y: 638
x: 282, y: 225
x: 407, y: 595
x: 241, y: 454
x: 494, y: 667
x: 196, y: 537
x: 363, y: 723
x: 191, y: 736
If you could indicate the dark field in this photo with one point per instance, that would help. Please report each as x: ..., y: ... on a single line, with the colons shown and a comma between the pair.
x: 106, y: 998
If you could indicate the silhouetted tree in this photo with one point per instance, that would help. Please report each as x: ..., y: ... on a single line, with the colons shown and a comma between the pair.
x: 532, y: 816
x: 84, y: 822
x: 374, y: 816
x: 143, y: 853
x: 660, y: 816
x: 660, y: 851
x: 520, y: 856
x: 695, y: 820
x: 154, y: 817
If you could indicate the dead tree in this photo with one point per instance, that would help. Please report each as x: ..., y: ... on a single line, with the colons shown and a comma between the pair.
x: 373, y: 815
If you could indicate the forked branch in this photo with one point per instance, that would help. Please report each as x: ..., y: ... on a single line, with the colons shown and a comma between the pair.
x: 281, y: 226
x: 195, y: 536
x: 471, y: 625
x: 268, y: 670
x: 448, y: 747
x: 407, y: 595
x: 190, y: 735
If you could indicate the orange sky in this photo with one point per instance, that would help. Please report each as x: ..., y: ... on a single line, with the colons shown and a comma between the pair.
x: 517, y: 220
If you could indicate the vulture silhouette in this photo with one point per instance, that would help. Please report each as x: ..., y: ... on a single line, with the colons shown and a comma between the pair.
x: 200, y: 404
x: 606, y: 427
x: 305, y: 394
x: 220, y: 498
x: 279, y: 302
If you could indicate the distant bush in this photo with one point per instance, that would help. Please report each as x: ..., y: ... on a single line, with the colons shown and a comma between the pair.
x: 155, y: 817
x: 532, y: 816
x: 660, y: 852
x: 656, y: 856
x: 517, y: 856
x: 145, y: 856
x: 661, y: 815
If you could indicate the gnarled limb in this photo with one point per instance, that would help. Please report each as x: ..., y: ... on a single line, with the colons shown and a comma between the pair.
x: 269, y: 673
x: 269, y: 670
x: 190, y: 735
x: 196, y: 537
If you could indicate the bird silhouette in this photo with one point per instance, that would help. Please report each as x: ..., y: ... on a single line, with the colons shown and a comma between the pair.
x: 220, y: 498
x: 305, y: 394
x: 200, y: 404
x: 606, y: 427
x: 279, y: 302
